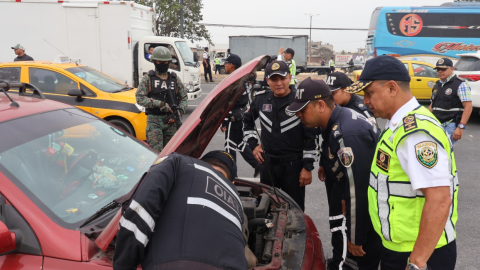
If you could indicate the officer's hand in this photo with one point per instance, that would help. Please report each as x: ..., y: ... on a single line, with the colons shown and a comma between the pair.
x: 223, y: 129
x: 257, y: 152
x: 280, y: 52
x: 171, y: 121
x: 355, y: 250
x: 321, y: 174
x: 305, y: 177
x: 457, y: 134
x: 165, y: 108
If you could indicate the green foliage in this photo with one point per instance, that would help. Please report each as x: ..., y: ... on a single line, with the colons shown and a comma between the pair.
x: 167, y: 22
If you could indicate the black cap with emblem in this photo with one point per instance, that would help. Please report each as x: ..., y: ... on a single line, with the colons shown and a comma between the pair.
x: 444, y: 63
x: 382, y: 67
x: 277, y: 68
x: 225, y: 158
x: 338, y: 80
x: 234, y: 60
x: 308, y: 90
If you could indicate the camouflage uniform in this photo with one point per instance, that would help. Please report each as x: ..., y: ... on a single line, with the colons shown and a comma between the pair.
x: 158, y: 133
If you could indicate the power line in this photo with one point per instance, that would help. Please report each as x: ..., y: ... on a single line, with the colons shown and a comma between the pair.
x: 283, y: 27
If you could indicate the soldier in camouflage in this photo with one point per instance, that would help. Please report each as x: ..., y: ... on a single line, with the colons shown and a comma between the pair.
x: 153, y: 93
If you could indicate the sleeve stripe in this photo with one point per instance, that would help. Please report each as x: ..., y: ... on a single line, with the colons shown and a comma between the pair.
x: 142, y: 238
x: 207, y: 170
x: 135, y: 206
x: 216, y: 208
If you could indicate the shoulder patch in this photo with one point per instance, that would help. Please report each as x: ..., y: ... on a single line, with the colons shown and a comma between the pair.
x: 346, y: 156
x: 383, y: 160
x: 174, y: 75
x: 361, y: 106
x: 427, y: 153
x: 409, y: 122
x: 160, y: 160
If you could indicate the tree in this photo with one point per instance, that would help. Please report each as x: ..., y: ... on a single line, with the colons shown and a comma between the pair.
x: 167, y: 22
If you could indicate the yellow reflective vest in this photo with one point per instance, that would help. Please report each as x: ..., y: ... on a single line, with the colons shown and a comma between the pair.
x: 395, y: 208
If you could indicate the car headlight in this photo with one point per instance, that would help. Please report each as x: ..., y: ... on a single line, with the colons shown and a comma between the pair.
x: 140, y: 108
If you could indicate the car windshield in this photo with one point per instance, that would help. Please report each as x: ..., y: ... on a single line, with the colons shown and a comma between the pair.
x: 70, y: 163
x: 186, y: 53
x: 468, y: 64
x: 97, y: 79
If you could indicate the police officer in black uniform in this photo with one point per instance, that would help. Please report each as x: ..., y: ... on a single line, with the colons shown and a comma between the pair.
x: 287, y: 149
x: 339, y: 83
x: 184, y: 214
x: 232, y: 126
x: 348, y: 148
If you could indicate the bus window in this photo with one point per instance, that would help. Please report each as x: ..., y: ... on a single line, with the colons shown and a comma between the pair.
x: 374, y: 19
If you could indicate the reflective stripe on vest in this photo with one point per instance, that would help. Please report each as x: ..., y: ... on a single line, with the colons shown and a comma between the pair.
x: 395, y: 208
x: 449, y: 110
x: 293, y: 71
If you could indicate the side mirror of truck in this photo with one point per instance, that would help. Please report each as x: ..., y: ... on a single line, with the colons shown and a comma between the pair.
x: 8, y: 239
x: 75, y: 92
x: 195, y: 57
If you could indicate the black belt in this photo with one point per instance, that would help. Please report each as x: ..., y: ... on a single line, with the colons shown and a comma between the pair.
x: 284, y: 158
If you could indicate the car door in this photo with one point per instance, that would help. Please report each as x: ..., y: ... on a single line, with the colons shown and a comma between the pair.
x: 55, y: 85
x: 28, y: 254
x: 423, y: 79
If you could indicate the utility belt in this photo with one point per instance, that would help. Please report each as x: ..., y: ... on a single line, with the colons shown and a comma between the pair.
x: 236, y: 115
x: 157, y: 112
x: 283, y: 158
x: 456, y: 120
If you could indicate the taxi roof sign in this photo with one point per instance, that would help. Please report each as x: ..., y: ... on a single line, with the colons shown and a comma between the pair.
x: 62, y: 59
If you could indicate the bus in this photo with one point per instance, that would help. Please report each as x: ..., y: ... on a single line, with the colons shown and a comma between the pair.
x: 425, y: 33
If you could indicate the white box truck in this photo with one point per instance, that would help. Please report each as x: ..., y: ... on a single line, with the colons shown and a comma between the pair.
x: 113, y: 37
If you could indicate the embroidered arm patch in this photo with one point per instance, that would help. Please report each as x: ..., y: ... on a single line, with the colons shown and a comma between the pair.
x: 427, y: 154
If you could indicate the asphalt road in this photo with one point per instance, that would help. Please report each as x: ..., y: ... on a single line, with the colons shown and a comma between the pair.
x: 468, y: 167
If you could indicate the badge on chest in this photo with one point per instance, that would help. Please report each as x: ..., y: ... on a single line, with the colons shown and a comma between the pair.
x: 383, y: 160
x: 267, y: 108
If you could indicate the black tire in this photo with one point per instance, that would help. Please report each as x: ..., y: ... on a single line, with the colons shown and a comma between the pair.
x: 122, y: 124
x: 222, y: 70
x: 321, y: 72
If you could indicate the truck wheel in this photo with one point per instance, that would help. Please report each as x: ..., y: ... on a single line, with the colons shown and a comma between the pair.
x: 222, y: 71
x: 122, y: 124
x: 321, y: 72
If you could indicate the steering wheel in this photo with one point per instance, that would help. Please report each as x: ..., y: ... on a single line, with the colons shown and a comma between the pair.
x: 86, y: 159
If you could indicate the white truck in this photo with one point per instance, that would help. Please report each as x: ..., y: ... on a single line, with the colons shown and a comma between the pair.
x: 113, y: 37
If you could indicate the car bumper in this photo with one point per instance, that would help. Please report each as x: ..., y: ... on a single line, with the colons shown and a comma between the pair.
x: 475, y: 86
x: 196, y: 93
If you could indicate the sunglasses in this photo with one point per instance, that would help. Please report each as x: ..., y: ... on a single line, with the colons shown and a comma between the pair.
x: 441, y: 69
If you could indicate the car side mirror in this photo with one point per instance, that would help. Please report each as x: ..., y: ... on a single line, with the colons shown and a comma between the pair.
x: 8, y: 239
x: 75, y: 92
x: 195, y: 57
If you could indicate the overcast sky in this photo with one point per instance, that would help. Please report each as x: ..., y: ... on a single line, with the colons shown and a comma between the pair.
x: 335, y: 13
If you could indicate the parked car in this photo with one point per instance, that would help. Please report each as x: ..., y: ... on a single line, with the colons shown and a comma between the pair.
x: 95, y: 92
x: 468, y: 68
x: 61, y: 169
x: 423, y: 78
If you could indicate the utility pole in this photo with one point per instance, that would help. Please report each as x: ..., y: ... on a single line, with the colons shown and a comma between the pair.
x: 181, y: 18
x: 310, y: 45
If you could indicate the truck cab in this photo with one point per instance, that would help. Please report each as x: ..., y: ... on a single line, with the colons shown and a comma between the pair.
x: 184, y: 62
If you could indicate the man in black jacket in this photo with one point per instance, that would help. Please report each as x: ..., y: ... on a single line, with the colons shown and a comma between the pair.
x: 184, y: 214
x: 348, y: 148
x: 232, y: 126
x: 287, y: 148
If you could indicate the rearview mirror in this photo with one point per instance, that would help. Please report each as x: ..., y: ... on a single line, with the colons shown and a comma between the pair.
x: 195, y: 57
x: 8, y: 240
x: 75, y: 92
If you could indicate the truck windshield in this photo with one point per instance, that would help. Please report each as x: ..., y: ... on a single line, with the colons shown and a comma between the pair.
x: 186, y: 53
x: 97, y: 79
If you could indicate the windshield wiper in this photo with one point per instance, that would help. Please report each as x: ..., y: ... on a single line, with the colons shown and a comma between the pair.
x: 123, y: 89
x: 106, y: 209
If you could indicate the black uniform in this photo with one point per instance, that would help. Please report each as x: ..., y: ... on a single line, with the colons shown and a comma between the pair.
x: 289, y: 146
x: 183, y: 215
x: 445, y: 101
x: 234, y: 133
x: 207, y: 70
x: 348, y: 149
x: 356, y: 104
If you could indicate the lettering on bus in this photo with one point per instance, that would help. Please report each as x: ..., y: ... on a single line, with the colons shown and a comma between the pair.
x: 443, y: 47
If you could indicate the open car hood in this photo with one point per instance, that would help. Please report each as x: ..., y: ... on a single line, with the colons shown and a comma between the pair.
x: 196, y: 132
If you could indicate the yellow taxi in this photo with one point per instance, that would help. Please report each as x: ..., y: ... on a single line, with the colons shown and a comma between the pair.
x: 423, y: 78
x: 92, y: 91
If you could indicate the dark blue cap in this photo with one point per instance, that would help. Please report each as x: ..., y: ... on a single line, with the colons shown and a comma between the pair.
x: 444, y: 63
x: 382, y: 67
x: 234, y: 60
x: 225, y: 158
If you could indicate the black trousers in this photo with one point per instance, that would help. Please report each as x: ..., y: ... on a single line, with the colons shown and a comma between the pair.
x: 341, y: 257
x: 234, y: 141
x: 332, y: 69
x: 207, y: 70
x: 443, y: 258
x: 285, y: 176
x: 217, y: 68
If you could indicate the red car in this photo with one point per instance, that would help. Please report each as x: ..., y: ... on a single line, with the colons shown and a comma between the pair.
x: 61, y: 170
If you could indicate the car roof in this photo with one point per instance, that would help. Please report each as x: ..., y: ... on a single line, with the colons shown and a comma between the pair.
x: 475, y: 54
x: 28, y: 105
x: 39, y: 63
x: 417, y: 62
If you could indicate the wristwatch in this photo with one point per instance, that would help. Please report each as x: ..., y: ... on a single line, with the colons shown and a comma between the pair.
x: 461, y: 126
x: 412, y: 266
x: 308, y: 167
